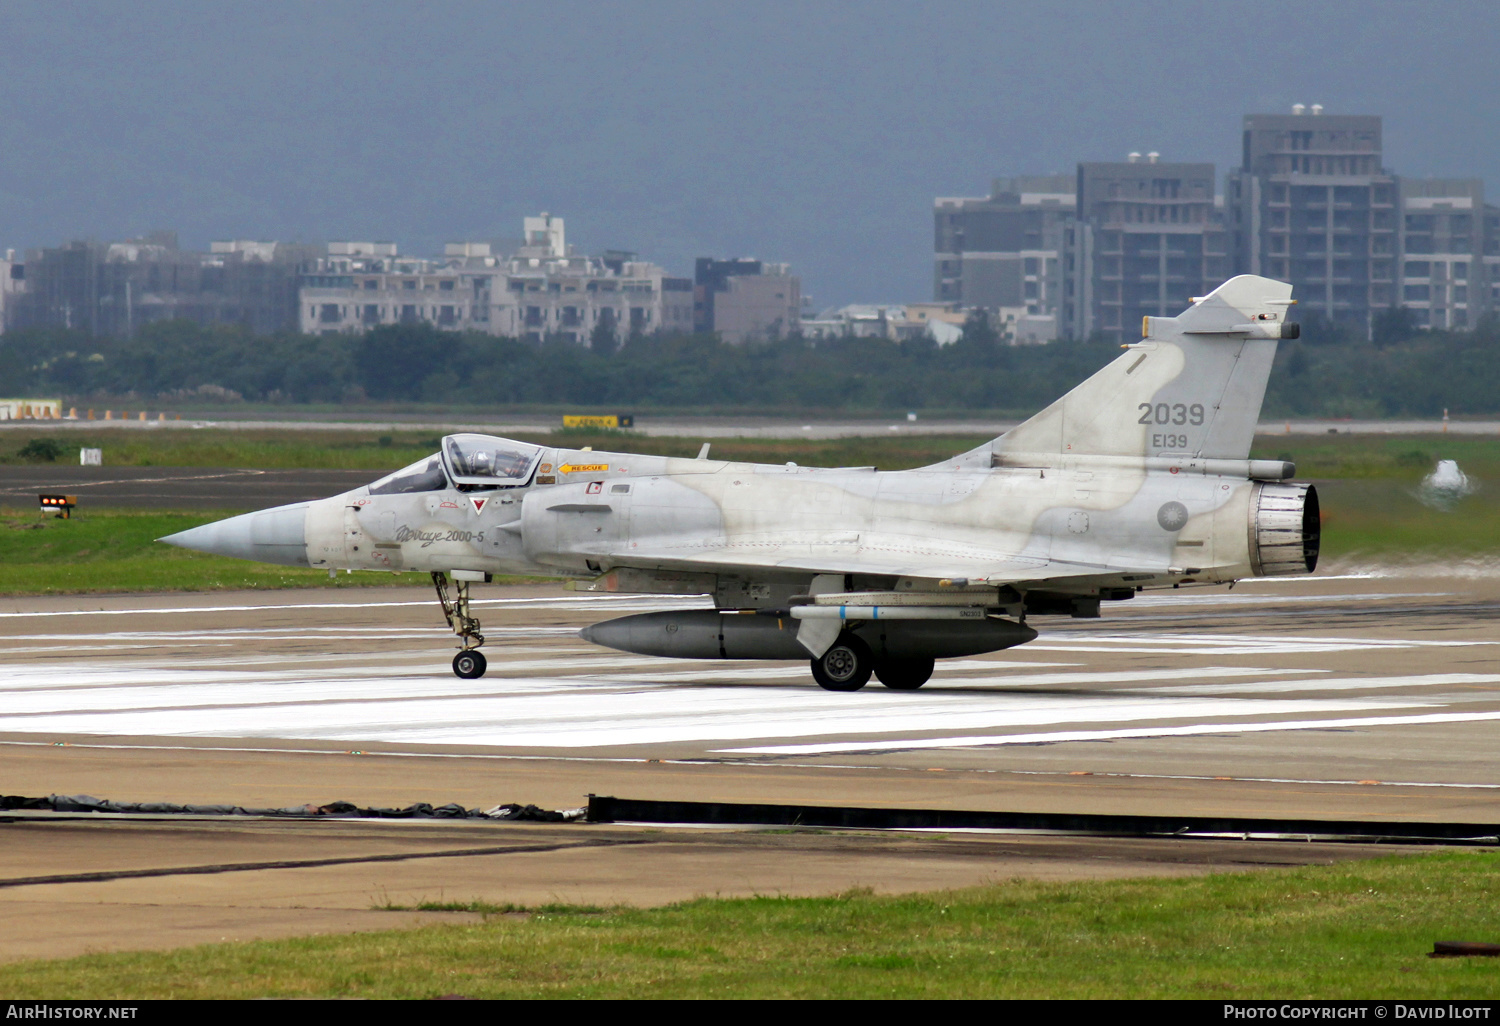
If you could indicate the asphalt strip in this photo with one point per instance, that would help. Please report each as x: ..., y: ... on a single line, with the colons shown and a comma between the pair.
x: 747, y: 764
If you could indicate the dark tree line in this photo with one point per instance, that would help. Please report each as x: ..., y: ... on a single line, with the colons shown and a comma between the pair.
x: 1403, y: 372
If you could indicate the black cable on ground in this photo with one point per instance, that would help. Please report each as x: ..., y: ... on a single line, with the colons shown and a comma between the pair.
x: 340, y: 810
x: 608, y: 809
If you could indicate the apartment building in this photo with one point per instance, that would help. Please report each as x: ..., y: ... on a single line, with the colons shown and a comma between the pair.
x: 12, y: 282
x: 543, y: 289
x: 744, y: 299
x: 1148, y: 237
x: 1314, y: 205
x: 1003, y: 251
x: 1443, y: 276
x: 112, y: 289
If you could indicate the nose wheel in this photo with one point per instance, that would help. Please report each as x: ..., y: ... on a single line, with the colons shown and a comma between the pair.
x: 469, y: 663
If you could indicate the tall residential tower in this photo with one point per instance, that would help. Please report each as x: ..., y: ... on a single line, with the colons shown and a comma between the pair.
x: 1314, y: 206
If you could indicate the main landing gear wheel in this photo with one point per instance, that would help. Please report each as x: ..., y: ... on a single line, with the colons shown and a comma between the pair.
x: 904, y: 674
x: 846, y: 666
x: 470, y: 665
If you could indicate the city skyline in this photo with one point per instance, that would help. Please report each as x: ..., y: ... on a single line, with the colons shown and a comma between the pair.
x: 811, y: 134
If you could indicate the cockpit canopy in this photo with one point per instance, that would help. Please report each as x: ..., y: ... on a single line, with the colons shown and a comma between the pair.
x: 489, y: 462
x: 425, y: 475
x: 470, y: 461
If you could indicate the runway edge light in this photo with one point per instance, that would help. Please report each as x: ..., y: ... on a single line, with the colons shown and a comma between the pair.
x: 59, y: 505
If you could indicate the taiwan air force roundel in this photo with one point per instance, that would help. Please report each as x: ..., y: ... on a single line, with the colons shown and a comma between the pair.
x: 1173, y: 516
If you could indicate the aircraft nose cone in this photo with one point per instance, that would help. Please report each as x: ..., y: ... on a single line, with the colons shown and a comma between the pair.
x: 269, y: 536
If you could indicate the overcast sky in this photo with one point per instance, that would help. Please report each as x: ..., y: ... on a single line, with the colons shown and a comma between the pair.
x: 810, y: 132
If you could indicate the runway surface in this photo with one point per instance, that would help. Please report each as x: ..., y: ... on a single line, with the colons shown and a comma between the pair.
x: 1353, y: 697
x: 1362, y: 678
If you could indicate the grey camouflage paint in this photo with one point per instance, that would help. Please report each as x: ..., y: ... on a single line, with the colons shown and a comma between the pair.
x: 1137, y: 478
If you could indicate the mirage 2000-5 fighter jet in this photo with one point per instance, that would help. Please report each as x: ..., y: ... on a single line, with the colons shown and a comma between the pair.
x: 1138, y: 478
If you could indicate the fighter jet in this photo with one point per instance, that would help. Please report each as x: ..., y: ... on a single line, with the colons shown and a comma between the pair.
x: 1139, y: 478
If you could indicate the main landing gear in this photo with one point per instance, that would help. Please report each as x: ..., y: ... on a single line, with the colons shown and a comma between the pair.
x: 848, y: 664
x: 470, y: 663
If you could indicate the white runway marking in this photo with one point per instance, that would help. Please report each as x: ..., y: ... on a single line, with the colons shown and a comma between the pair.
x: 1331, y: 684
x: 1225, y: 644
x: 1032, y: 680
x: 1178, y: 599
x: 329, y: 672
x: 132, y: 677
x: 613, y: 602
x: 1114, y: 735
x: 1256, y: 640
x: 561, y: 712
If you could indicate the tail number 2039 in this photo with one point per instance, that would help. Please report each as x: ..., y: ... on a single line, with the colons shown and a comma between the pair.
x: 1171, y: 413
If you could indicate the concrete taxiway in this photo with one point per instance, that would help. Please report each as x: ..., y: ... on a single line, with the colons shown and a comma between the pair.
x: 1353, y: 696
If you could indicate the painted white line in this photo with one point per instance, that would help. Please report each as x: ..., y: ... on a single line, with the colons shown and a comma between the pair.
x: 570, y: 602
x: 1170, y: 599
x: 1055, y: 737
x: 166, y: 638
x: 1249, y: 641
x: 1207, y: 650
x: 1331, y: 684
x: 545, y: 714
x: 427, y: 677
x: 1031, y: 680
x: 60, y: 647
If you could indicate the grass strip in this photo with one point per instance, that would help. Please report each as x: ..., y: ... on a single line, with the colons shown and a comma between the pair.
x: 1355, y: 930
x: 102, y: 550
x: 1398, y: 457
x: 278, y: 449
x: 1368, y: 487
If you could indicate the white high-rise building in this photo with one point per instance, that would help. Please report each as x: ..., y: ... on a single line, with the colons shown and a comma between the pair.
x: 543, y: 289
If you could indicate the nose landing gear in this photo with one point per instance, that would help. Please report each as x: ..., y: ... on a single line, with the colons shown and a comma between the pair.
x: 470, y: 662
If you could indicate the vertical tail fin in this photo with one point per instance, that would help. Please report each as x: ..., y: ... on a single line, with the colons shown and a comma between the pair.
x: 1192, y: 387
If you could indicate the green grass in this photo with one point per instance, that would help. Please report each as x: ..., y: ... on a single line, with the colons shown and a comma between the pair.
x: 1396, y: 457
x: 274, y: 449
x: 1358, y: 930
x: 270, y: 449
x: 1367, y: 486
x: 116, y: 551
x: 1382, y: 519
x: 1403, y: 457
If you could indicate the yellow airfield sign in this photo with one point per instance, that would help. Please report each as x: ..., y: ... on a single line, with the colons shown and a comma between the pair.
x: 589, y: 420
